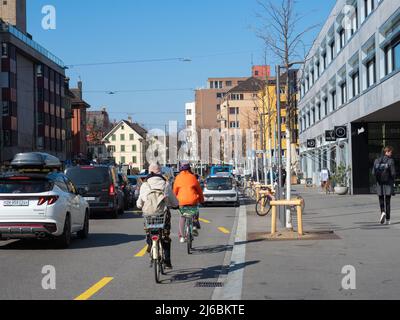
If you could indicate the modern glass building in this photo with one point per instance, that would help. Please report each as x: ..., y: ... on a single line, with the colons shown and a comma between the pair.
x: 351, y: 82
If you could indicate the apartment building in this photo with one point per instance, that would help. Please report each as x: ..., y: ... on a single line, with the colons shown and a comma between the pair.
x: 350, y: 101
x: 192, y: 139
x: 126, y: 144
x: 32, y: 81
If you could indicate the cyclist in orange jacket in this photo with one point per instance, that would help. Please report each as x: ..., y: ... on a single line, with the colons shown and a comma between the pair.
x: 188, y: 191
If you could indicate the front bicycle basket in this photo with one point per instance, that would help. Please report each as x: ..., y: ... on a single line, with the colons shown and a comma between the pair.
x: 189, y: 212
x: 155, y: 222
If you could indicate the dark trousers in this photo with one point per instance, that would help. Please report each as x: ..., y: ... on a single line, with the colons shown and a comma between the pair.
x: 166, y: 240
x: 384, y: 202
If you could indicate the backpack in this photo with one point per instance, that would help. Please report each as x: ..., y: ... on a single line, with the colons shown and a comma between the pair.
x: 155, y: 205
x: 382, y: 172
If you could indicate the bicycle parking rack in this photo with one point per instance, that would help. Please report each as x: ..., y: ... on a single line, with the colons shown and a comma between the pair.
x: 292, y: 203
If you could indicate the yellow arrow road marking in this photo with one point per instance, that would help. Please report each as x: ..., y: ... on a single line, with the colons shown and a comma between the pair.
x: 142, y: 252
x: 94, y: 289
x: 223, y: 230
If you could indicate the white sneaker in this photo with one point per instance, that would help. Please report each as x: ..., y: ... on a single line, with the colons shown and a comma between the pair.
x: 388, y: 222
x: 182, y: 240
x: 383, y: 218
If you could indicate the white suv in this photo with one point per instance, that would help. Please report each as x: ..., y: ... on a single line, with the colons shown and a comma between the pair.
x: 41, y: 205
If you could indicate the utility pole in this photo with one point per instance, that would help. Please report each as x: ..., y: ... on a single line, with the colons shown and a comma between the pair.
x: 278, y: 109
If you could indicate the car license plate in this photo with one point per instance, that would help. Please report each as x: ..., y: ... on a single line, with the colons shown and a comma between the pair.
x: 90, y: 199
x: 16, y: 203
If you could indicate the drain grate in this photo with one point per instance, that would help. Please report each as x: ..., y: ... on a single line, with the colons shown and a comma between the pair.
x: 209, y: 285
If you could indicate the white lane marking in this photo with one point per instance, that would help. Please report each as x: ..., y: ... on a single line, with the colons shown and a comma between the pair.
x: 233, y: 284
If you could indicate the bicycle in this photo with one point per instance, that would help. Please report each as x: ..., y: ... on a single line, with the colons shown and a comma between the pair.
x: 155, y: 226
x: 263, y: 207
x: 189, y: 213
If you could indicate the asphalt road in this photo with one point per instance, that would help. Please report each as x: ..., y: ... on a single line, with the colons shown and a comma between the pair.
x: 112, y: 265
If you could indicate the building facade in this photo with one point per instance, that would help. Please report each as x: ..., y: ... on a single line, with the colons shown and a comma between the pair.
x: 350, y: 83
x: 126, y: 145
x: 97, y: 126
x: 79, y: 133
x: 192, y: 139
x: 32, y: 81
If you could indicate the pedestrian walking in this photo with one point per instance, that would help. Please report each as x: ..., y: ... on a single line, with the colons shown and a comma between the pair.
x: 325, y: 180
x: 385, y: 173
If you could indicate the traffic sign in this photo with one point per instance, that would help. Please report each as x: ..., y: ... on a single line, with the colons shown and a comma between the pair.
x: 330, y: 136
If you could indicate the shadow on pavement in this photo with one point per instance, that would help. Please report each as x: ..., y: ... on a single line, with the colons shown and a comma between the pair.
x: 210, y: 273
x: 95, y: 240
x: 211, y: 249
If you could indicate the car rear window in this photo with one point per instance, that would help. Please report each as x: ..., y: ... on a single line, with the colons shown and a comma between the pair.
x: 24, y: 186
x: 88, y: 175
x: 219, y: 184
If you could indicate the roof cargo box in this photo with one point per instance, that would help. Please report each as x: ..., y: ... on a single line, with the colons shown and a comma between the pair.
x: 35, y: 160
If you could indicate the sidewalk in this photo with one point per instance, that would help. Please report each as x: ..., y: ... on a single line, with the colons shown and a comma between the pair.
x: 312, y: 269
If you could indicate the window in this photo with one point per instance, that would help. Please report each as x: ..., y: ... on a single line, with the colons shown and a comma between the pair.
x: 237, y: 96
x: 218, y: 107
x: 396, y: 56
x: 342, y: 36
x: 189, y: 123
x: 318, y: 66
x: 368, y: 7
x: 355, y: 79
x: 6, y: 108
x: 234, y: 124
x: 318, y: 111
x: 332, y: 50
x: 123, y: 160
x: 392, y: 57
x: 122, y: 137
x: 343, y: 91
x: 325, y: 102
x: 228, y: 83
x: 134, y: 148
x: 4, y: 50
x: 189, y: 112
x: 333, y: 99
x: 313, y: 115
x: 234, y: 111
x: 134, y: 160
x: 324, y: 60
x: 113, y: 137
x: 111, y: 149
x: 122, y: 148
x: 131, y: 137
x: 371, y: 72
x: 354, y: 22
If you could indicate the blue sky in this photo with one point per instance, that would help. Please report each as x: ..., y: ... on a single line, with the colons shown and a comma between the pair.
x: 218, y: 35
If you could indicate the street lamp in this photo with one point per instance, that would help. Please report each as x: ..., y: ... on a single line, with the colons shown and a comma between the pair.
x: 287, y: 218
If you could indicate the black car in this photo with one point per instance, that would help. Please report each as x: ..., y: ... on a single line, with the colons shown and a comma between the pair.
x: 127, y: 189
x: 101, y: 183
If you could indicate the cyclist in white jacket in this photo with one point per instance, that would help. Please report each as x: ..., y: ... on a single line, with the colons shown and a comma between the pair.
x: 155, y: 180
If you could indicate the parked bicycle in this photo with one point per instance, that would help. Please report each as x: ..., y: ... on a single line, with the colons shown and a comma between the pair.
x: 155, y: 226
x: 189, y: 213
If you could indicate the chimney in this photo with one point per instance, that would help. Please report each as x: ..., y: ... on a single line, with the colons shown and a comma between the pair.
x: 80, y: 86
x: 130, y: 119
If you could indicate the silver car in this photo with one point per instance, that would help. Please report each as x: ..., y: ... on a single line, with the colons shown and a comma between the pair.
x: 221, y: 190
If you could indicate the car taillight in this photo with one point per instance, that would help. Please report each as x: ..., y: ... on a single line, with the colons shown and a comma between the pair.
x: 111, y: 190
x: 50, y: 200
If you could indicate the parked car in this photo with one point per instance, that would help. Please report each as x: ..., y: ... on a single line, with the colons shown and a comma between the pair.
x: 220, y: 190
x: 103, y: 192
x: 127, y: 189
x: 41, y: 204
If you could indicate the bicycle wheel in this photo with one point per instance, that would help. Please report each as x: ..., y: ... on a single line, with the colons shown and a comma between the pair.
x: 157, y: 269
x: 189, y: 237
x: 263, y: 207
x: 162, y: 262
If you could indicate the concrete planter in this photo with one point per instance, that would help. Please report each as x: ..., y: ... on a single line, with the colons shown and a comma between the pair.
x: 341, y: 191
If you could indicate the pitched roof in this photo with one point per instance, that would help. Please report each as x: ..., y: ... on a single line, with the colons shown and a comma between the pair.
x: 250, y: 85
x: 76, y: 100
x: 134, y: 126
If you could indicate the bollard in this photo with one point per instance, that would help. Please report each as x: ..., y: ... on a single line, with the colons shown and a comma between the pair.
x: 300, y: 220
x: 273, y: 222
